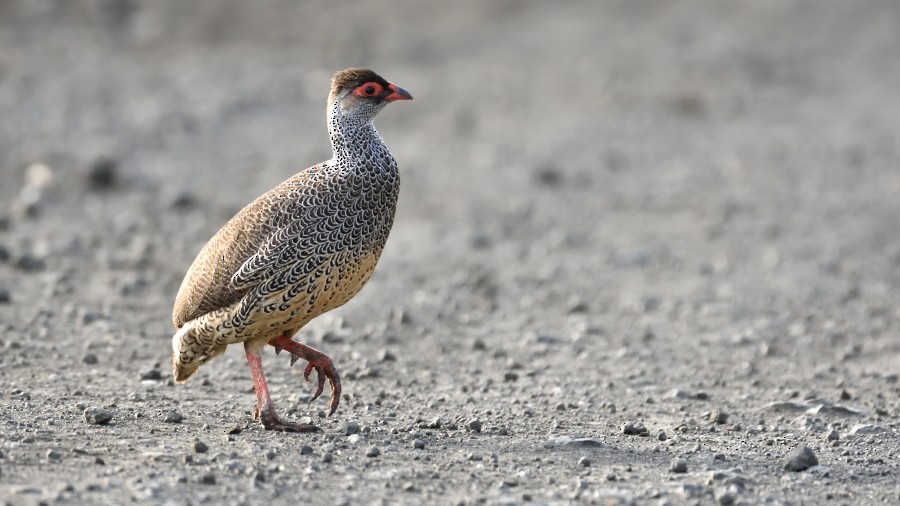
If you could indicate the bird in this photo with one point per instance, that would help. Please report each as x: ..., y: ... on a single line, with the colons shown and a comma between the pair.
x: 301, y: 249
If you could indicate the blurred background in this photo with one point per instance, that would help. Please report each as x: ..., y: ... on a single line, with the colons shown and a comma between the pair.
x: 559, y: 140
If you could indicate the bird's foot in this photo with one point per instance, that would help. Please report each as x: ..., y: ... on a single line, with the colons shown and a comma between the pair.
x: 271, y: 421
x: 319, y: 362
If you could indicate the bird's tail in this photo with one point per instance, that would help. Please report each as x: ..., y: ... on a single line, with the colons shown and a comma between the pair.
x: 189, y: 352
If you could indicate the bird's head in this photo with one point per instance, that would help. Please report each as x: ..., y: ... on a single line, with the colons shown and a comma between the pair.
x: 359, y: 94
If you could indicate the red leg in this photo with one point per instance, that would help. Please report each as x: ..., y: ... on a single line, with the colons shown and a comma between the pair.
x: 317, y: 360
x: 265, y: 408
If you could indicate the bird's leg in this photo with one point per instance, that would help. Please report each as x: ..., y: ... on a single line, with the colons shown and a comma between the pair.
x: 317, y: 360
x: 265, y: 408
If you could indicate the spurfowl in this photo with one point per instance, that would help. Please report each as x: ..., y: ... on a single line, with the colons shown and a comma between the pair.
x: 305, y: 247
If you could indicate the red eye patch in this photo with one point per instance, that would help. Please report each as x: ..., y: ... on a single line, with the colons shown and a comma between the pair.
x: 370, y: 89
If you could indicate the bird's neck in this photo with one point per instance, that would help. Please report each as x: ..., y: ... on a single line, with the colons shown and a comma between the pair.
x: 355, y: 141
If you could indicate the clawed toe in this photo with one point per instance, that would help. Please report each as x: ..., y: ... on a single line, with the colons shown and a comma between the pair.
x: 325, y: 369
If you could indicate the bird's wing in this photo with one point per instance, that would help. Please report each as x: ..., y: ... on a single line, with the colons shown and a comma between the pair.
x: 315, y: 229
x: 260, y: 238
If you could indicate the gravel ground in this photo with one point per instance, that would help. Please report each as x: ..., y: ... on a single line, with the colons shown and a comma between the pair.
x: 646, y: 252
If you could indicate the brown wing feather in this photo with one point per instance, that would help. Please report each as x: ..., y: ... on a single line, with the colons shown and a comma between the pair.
x: 208, y: 285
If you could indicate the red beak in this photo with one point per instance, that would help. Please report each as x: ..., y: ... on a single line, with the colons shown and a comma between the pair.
x: 398, y: 93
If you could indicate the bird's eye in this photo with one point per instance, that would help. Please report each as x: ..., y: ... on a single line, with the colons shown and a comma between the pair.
x: 368, y: 90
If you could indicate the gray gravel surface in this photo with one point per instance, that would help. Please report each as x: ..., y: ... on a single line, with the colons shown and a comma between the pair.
x: 676, y: 215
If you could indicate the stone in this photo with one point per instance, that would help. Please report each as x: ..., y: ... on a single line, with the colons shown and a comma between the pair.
x: 868, y: 428
x: 351, y: 428
x: 97, y: 416
x: 718, y: 416
x: 679, y: 466
x: 573, y: 442
x: 152, y: 375
x: 103, y: 173
x: 800, y: 459
x: 634, y: 428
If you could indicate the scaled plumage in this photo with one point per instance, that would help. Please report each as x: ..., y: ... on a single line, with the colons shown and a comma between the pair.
x: 303, y: 248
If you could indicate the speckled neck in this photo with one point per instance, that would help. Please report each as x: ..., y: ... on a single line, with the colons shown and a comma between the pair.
x: 355, y: 143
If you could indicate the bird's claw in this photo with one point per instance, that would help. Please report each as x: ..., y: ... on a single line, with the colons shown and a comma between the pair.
x: 271, y: 422
x: 317, y: 361
x: 325, y: 369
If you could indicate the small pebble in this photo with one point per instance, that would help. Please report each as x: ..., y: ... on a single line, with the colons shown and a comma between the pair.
x: 5, y: 295
x: 53, y: 455
x: 89, y: 359
x: 173, y: 417
x: 678, y: 393
x: 306, y: 450
x: 634, y: 428
x: 662, y: 436
x: 208, y: 479
x: 511, y: 481
x: 510, y: 376
x: 833, y: 435
x: 584, y: 462
x: 351, y: 428
x: 152, y: 374
x: 726, y: 499
x: 801, y: 458
x: 200, y: 447
x: 97, y: 416
x: 474, y: 425
x: 718, y: 416
x: 327, y: 457
x: 679, y: 465
x: 373, y: 451
x: 418, y: 444
x: 183, y: 200
x: 29, y: 262
x: 103, y: 173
